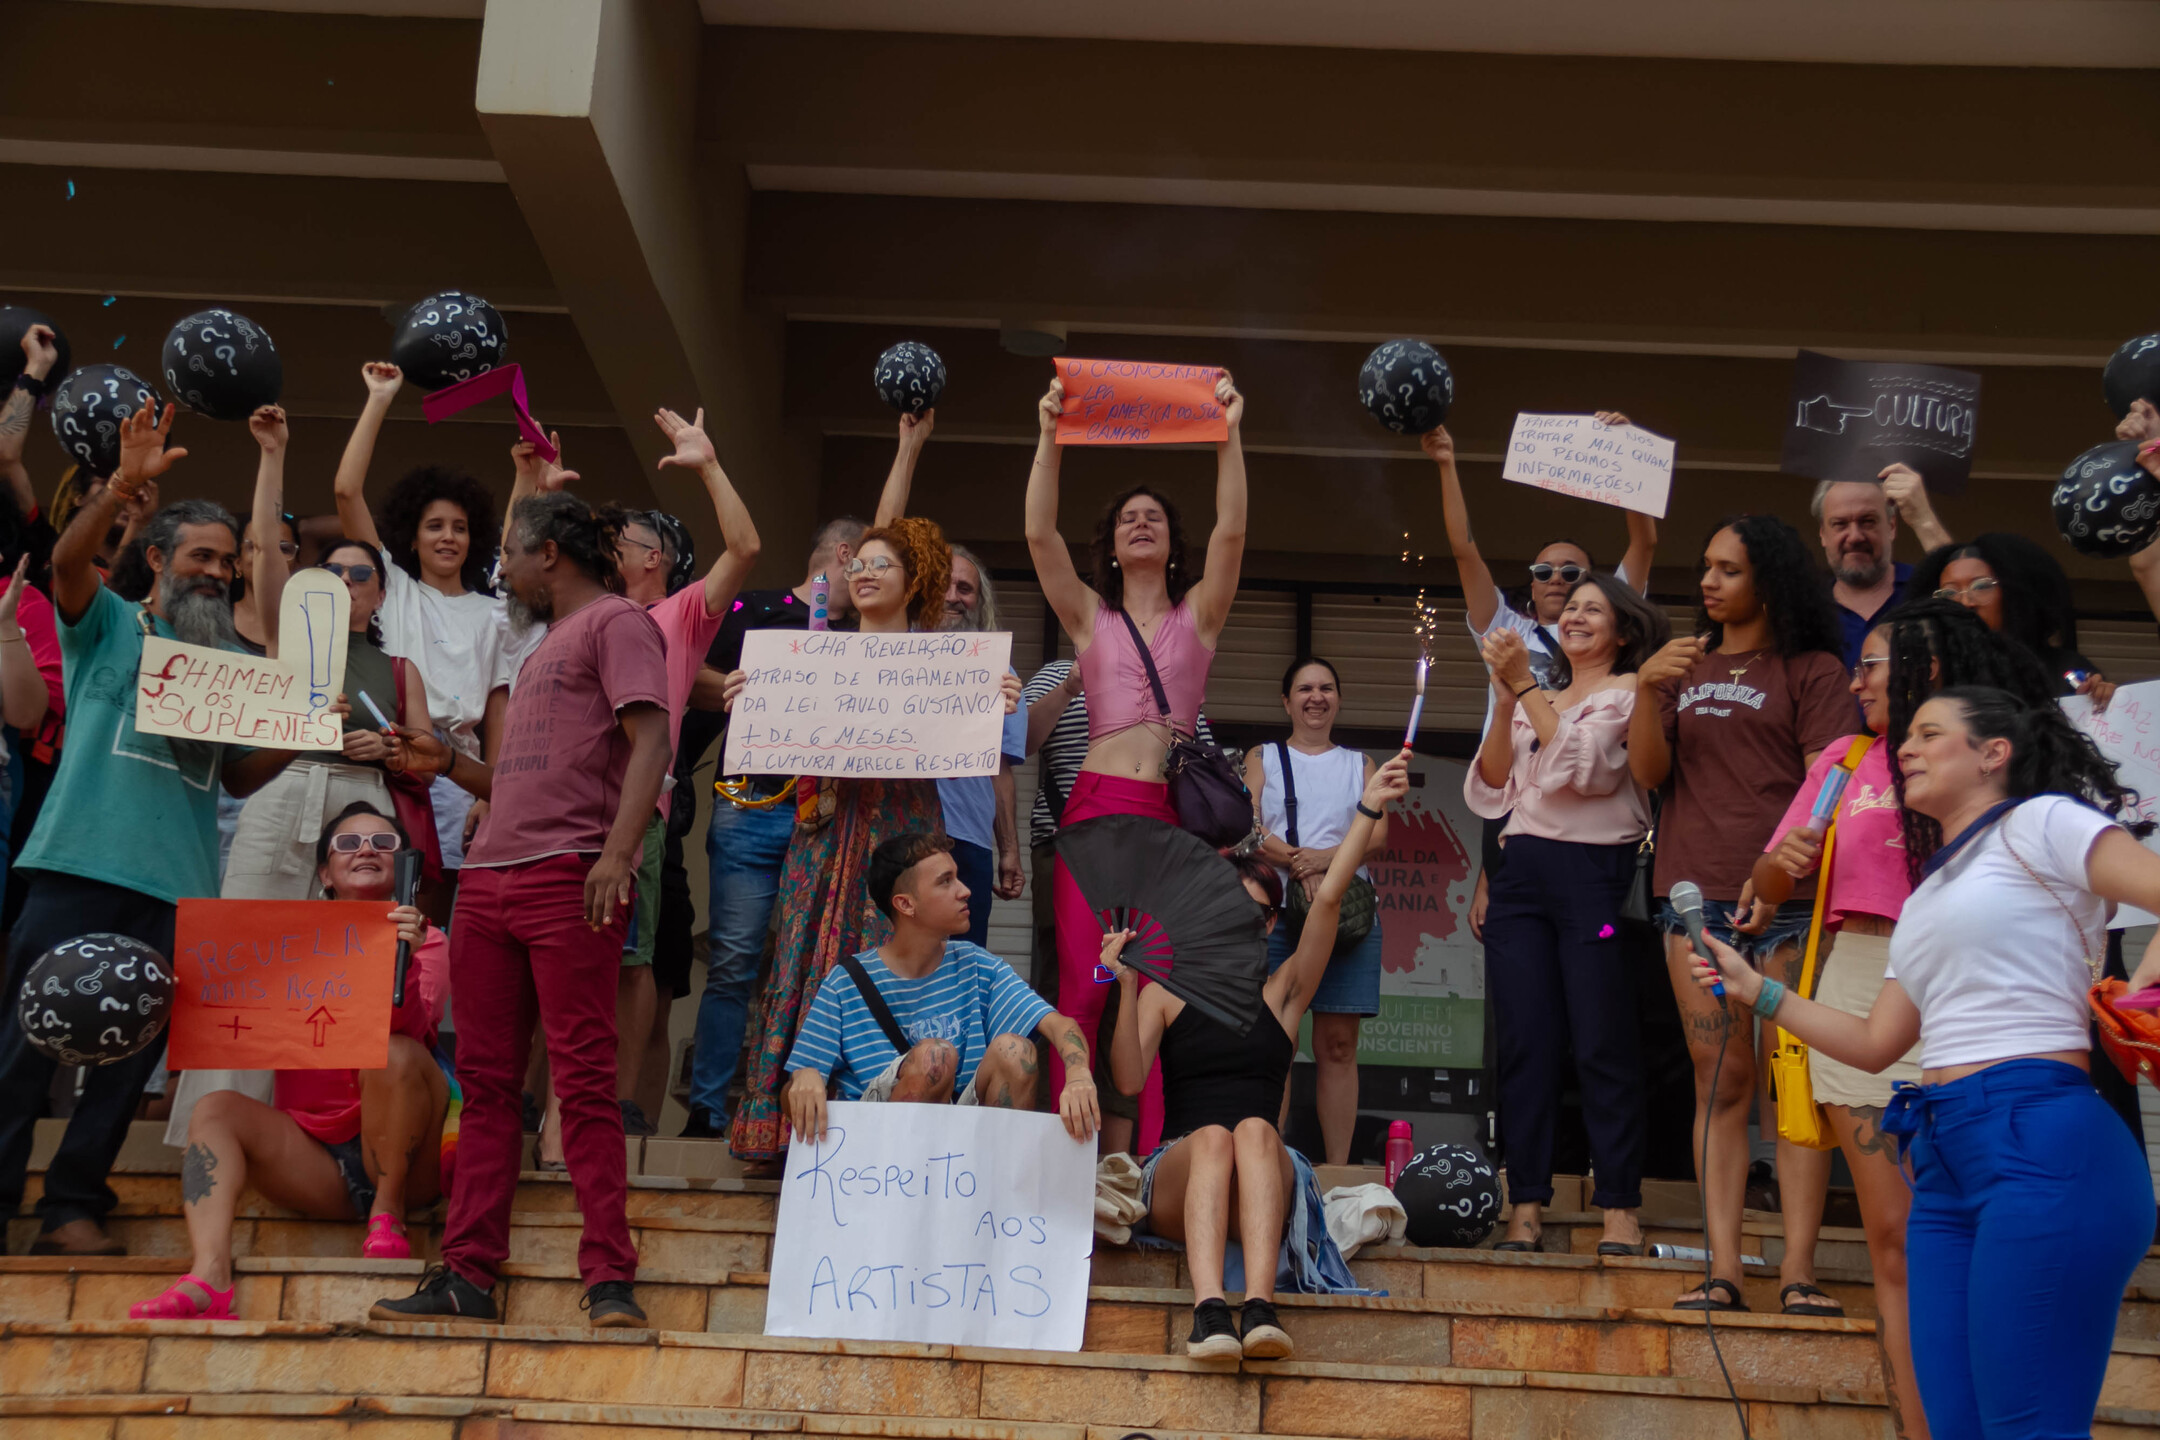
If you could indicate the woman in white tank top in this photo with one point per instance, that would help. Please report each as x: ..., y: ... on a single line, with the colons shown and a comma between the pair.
x: 1326, y: 781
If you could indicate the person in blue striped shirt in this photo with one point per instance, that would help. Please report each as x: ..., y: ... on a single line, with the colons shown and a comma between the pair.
x: 964, y: 1014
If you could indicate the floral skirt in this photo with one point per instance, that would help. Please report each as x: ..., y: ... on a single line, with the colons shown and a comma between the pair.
x: 825, y: 910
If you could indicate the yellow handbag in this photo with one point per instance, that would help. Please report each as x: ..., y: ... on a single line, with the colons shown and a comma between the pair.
x: 1799, y: 1118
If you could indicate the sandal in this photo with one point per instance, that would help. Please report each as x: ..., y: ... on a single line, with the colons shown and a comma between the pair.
x: 386, y: 1238
x: 1831, y: 1311
x: 1619, y: 1247
x: 180, y: 1304
x: 1709, y: 1300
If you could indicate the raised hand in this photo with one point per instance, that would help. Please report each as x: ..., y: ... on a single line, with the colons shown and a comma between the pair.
x: 1507, y: 657
x: 1610, y: 417
x: 268, y: 427
x: 1438, y: 444
x: 1233, y: 403
x: 13, y: 598
x: 41, y: 351
x: 1389, y: 783
x: 382, y: 379
x: 693, y: 448
x: 915, y: 429
x: 536, y: 474
x: 1051, y: 407
x: 143, y: 456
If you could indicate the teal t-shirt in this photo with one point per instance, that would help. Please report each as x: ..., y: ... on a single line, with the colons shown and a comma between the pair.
x: 137, y: 811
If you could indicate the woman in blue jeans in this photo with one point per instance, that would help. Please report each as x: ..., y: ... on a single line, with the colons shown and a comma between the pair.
x: 2031, y: 1204
x: 746, y: 844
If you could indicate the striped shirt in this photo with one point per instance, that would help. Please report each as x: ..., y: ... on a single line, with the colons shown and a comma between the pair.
x: 971, y: 997
x: 1066, y: 748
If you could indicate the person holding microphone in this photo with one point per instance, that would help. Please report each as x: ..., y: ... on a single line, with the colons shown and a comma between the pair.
x: 2031, y: 1206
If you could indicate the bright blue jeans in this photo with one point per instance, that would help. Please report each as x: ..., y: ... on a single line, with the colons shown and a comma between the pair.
x: 747, y: 849
x: 2031, y: 1208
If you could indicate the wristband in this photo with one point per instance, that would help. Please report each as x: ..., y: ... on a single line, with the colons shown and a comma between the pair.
x: 30, y: 385
x: 1370, y: 814
x: 1526, y: 689
x: 1769, y: 998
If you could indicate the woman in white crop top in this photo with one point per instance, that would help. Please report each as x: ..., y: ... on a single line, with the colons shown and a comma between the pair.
x: 2032, y: 1205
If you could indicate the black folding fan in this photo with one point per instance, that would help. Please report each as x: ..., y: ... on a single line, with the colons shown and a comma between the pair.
x: 1198, y: 933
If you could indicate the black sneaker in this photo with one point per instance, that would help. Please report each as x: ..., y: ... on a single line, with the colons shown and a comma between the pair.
x: 1264, y: 1337
x: 702, y: 1126
x: 611, y: 1306
x: 634, y: 1121
x: 443, y: 1295
x: 1214, y: 1332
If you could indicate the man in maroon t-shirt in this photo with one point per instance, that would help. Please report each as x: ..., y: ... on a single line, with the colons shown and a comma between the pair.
x: 542, y: 907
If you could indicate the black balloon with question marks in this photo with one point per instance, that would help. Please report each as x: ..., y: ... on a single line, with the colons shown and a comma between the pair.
x: 15, y: 322
x: 2106, y: 505
x: 2132, y: 373
x: 95, y: 999
x: 909, y: 377
x: 221, y: 364
x: 448, y: 337
x: 1407, y: 386
x: 1451, y: 1195
x: 87, y: 410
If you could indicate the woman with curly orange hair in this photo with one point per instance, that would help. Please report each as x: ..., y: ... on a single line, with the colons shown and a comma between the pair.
x: 896, y: 579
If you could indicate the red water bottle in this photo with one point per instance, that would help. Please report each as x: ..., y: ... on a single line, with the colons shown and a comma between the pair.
x: 1398, y: 1150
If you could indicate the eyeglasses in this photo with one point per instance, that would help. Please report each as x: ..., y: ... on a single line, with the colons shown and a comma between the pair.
x: 876, y: 565
x: 288, y: 548
x: 1859, y: 671
x: 351, y: 842
x: 1977, y: 589
x: 633, y: 540
x: 1541, y: 572
x: 358, y: 574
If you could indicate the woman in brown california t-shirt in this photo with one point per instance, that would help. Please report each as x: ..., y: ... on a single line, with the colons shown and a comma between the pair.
x: 1727, y: 721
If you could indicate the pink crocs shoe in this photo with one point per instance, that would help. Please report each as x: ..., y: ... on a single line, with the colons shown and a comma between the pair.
x: 179, y: 1303
x: 386, y: 1238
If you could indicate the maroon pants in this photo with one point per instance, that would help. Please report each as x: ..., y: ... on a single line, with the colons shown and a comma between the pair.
x: 520, y: 944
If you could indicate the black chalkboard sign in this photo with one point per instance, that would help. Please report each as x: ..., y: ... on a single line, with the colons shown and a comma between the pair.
x: 1850, y: 418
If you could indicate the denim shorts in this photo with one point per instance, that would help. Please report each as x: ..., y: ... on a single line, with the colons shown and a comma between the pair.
x: 353, y: 1171
x: 1788, y: 927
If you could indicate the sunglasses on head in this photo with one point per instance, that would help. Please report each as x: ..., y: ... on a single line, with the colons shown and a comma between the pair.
x: 358, y: 574
x: 352, y: 842
x: 1542, y: 572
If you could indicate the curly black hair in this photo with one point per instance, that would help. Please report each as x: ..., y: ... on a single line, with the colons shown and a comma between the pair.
x: 409, y: 499
x: 586, y: 537
x: 375, y: 556
x: 2048, y: 755
x: 1109, y: 579
x: 1791, y: 586
x: 2036, y: 605
x: 1940, y: 645
x: 1640, y: 629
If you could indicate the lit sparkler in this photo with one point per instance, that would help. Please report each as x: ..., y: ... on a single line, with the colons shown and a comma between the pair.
x: 1425, y: 626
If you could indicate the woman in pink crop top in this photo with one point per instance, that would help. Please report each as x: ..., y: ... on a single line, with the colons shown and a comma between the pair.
x: 1141, y: 572
x: 338, y: 1144
x: 1920, y: 648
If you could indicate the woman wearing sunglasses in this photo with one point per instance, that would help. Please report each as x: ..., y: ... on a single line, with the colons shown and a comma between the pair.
x: 335, y: 1144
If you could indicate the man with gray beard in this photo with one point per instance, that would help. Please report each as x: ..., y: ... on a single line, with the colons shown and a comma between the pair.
x: 1859, y: 520
x: 130, y: 826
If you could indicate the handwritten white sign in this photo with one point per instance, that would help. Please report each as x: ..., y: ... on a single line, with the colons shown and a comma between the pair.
x: 2128, y: 733
x: 194, y: 692
x: 1575, y: 455
x: 952, y: 1225
x: 901, y: 707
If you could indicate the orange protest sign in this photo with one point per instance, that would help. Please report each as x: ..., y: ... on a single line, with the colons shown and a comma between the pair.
x: 282, y: 985
x: 1138, y: 402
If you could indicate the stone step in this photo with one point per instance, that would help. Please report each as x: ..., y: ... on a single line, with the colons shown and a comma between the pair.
x: 1404, y: 1330
x: 440, y: 1380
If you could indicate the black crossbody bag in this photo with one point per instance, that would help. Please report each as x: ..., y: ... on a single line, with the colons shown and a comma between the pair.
x: 1205, y: 788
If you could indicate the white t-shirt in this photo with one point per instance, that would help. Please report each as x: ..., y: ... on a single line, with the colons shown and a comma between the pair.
x: 1329, y: 787
x: 455, y: 641
x: 1995, y: 965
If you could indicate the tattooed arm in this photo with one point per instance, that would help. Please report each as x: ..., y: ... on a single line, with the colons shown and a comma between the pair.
x: 1077, y: 1105
x: 40, y: 354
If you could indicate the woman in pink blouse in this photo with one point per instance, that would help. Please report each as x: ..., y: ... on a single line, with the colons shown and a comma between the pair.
x: 1556, y: 763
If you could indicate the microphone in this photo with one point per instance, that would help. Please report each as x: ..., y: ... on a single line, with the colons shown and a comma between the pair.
x: 408, y: 881
x: 1686, y: 901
